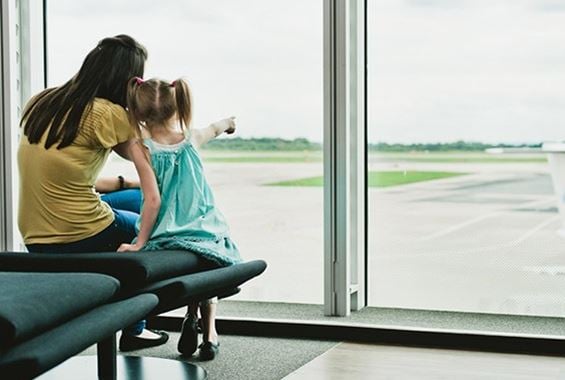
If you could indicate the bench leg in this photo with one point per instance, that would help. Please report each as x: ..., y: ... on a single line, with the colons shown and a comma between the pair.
x: 107, y: 358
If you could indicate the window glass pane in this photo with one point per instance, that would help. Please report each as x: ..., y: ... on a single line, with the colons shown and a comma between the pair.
x: 452, y: 226
x: 260, y: 61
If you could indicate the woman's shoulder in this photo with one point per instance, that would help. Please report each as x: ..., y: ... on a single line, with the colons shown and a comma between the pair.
x: 108, y: 114
x: 105, y: 107
x: 107, y: 123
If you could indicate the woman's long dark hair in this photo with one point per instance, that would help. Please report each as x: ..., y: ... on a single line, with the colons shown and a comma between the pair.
x: 104, y: 74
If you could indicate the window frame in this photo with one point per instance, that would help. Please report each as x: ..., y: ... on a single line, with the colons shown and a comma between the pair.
x: 344, y: 187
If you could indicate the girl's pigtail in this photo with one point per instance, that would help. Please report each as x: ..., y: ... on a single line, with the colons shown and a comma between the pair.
x: 184, y: 102
x: 131, y: 101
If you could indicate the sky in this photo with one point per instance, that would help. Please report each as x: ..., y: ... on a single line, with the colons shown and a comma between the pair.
x: 439, y: 70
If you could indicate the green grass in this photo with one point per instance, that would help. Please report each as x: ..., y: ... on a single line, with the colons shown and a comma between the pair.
x: 377, y: 179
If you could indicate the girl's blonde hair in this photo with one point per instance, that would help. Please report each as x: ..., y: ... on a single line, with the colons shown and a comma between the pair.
x: 155, y: 101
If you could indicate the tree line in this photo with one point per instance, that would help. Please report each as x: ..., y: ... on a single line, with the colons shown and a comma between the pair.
x: 459, y: 146
x: 303, y: 144
x: 263, y: 144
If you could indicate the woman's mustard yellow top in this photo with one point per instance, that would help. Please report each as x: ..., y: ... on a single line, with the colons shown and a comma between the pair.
x: 58, y: 203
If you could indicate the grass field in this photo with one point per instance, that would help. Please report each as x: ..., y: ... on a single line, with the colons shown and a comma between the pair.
x: 317, y: 156
x: 378, y: 179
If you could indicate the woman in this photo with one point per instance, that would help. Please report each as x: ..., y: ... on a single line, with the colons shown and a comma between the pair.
x: 68, y: 133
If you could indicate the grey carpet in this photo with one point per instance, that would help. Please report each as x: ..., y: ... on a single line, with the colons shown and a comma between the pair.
x: 376, y: 316
x: 246, y: 358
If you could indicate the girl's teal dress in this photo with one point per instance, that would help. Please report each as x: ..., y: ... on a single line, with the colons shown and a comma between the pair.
x: 188, y: 218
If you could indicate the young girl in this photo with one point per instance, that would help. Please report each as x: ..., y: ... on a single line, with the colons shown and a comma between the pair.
x: 187, y: 217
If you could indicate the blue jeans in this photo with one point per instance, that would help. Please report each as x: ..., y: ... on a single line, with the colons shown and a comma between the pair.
x: 126, y: 200
x: 126, y: 205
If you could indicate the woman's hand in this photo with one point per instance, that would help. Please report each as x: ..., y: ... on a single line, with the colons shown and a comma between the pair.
x: 129, y: 247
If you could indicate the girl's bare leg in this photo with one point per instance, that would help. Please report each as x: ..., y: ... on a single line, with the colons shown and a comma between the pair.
x: 209, y: 333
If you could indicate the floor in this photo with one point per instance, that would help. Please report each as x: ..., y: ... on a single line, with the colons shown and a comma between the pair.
x: 362, y: 361
x: 260, y: 358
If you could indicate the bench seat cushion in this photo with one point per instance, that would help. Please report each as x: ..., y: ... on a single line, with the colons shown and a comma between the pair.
x: 34, y: 302
x: 43, y: 352
x: 133, y: 270
x: 179, y: 291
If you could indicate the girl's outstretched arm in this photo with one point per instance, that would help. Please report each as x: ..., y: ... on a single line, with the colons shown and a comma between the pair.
x: 202, y: 135
x: 151, y: 196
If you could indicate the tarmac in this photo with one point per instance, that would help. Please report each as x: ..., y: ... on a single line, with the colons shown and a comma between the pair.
x: 485, y: 241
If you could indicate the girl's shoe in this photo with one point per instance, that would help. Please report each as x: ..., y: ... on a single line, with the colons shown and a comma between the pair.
x: 209, y: 350
x: 188, y: 341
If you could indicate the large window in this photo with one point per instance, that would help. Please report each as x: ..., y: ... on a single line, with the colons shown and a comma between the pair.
x: 453, y: 226
x: 260, y: 61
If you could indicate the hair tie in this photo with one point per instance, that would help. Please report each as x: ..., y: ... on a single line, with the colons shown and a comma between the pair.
x: 173, y: 83
x: 139, y: 81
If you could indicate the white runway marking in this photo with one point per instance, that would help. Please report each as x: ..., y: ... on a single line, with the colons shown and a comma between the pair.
x: 497, y: 247
x: 536, y: 229
x: 457, y: 227
x: 502, y: 247
x: 447, y: 231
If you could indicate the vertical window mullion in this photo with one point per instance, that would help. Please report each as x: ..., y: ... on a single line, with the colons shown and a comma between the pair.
x: 357, y: 132
x: 3, y: 223
x: 22, y: 75
x: 10, y: 91
x: 344, y: 136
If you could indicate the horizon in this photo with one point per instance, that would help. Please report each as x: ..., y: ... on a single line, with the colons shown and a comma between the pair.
x: 505, y: 143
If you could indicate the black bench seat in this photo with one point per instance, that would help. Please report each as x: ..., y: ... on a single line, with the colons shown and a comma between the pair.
x: 176, y: 277
x: 46, y: 318
x: 132, y: 269
x: 31, y: 304
x: 136, y: 285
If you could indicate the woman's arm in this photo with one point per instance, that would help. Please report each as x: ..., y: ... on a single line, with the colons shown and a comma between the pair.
x: 203, y: 135
x: 109, y: 184
x: 122, y: 150
x: 151, y: 196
